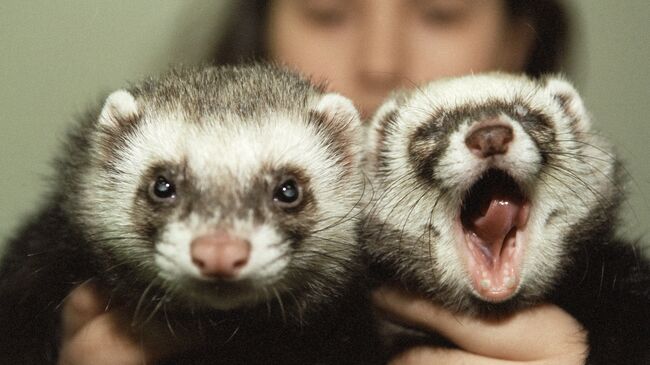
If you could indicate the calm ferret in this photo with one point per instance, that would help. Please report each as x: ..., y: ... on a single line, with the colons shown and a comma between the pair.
x: 219, y: 203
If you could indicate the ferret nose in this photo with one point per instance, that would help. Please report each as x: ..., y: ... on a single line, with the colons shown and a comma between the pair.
x: 489, y: 140
x: 219, y: 255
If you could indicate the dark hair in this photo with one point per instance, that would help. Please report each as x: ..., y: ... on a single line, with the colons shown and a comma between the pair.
x: 244, y: 38
x: 551, y: 24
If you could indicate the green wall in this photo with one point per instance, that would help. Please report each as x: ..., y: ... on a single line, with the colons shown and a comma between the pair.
x: 57, y: 57
x: 613, y: 70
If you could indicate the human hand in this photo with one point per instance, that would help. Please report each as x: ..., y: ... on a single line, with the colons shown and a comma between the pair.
x: 93, y: 335
x: 544, y: 334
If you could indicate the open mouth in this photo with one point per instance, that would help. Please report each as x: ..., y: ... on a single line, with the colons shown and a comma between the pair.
x: 493, y: 217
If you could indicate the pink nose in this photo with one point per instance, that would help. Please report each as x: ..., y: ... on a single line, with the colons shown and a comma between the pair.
x: 219, y: 255
x: 489, y: 140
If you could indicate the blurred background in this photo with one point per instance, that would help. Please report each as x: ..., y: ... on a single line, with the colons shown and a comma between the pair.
x: 59, y: 57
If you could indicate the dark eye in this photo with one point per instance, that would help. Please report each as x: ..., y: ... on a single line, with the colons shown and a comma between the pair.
x: 325, y: 14
x: 287, y: 194
x: 443, y: 13
x: 162, y: 189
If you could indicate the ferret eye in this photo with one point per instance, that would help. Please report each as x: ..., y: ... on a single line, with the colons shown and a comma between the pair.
x: 162, y: 190
x: 287, y: 194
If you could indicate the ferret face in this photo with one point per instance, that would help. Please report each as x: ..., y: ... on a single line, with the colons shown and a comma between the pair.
x: 481, y: 184
x: 224, y: 210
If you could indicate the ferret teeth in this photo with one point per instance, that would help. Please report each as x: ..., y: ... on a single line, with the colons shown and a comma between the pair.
x: 509, y: 281
x: 507, y: 270
x: 485, y: 283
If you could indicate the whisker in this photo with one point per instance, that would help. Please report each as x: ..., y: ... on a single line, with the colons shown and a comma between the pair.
x: 136, y: 313
x: 279, y: 300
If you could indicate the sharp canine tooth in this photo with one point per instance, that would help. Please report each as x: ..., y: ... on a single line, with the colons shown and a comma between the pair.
x: 510, y: 282
x: 485, y: 283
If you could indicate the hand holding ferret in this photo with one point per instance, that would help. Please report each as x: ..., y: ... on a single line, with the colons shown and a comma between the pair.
x: 93, y: 334
x: 544, y: 334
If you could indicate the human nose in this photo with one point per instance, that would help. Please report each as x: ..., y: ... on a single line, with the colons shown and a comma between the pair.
x: 379, y: 60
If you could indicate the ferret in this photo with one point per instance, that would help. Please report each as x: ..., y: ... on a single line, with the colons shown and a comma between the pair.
x: 217, y: 201
x: 493, y: 193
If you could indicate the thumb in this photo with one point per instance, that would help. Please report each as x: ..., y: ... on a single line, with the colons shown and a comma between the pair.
x: 82, y: 305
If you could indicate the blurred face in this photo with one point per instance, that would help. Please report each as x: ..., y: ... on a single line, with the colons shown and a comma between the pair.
x: 366, y: 48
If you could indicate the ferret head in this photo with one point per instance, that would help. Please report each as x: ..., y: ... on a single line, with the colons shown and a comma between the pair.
x: 225, y: 187
x: 483, y: 185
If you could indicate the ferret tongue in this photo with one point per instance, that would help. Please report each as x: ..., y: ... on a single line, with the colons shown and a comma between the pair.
x: 492, y: 227
x: 493, y: 234
x: 493, y: 214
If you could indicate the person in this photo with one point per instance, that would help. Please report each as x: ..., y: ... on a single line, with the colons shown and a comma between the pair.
x: 364, y: 49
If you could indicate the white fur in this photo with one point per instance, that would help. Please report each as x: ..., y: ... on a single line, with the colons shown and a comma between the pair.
x: 338, y: 107
x: 372, y: 131
x: 460, y: 168
x: 558, y: 86
x: 267, y: 257
x: 173, y: 251
x: 120, y: 106
x: 222, y: 153
x: 412, y: 207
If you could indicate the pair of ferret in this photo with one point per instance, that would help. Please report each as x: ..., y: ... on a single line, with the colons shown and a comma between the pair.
x: 230, y: 202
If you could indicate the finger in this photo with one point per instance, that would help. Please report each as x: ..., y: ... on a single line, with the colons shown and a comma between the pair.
x: 99, y: 342
x: 429, y: 355
x: 540, y: 332
x: 82, y: 305
x: 92, y: 335
x: 109, y: 339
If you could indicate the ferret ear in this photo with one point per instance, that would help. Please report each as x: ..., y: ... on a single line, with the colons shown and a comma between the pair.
x: 384, y: 114
x: 376, y: 131
x: 566, y: 95
x: 119, y: 109
x: 334, y: 108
